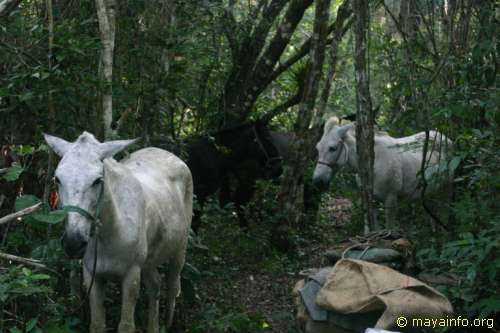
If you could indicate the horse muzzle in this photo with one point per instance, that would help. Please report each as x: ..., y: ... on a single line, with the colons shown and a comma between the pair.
x: 321, y: 177
x: 74, y: 245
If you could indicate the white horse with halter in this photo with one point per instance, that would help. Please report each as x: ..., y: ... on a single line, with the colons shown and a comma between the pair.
x: 125, y: 219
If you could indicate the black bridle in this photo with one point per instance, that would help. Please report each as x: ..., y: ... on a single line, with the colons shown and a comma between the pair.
x: 332, y: 165
x: 269, y: 159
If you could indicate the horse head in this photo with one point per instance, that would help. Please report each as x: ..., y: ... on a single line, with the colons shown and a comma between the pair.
x: 79, y: 177
x: 332, y: 152
x: 265, y: 149
x: 250, y: 141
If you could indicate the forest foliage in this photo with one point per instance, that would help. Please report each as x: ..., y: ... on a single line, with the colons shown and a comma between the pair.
x: 184, y: 68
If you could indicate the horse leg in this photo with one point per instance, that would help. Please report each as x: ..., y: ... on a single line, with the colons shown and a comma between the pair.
x: 243, y: 195
x: 96, y: 300
x: 173, y: 288
x: 153, y: 283
x: 131, y: 284
x: 391, y: 211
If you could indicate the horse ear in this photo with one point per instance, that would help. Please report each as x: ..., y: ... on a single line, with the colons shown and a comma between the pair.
x: 59, y: 146
x: 342, y: 131
x: 330, y: 123
x: 110, y: 148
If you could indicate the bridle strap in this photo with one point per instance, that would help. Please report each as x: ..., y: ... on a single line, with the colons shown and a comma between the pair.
x: 332, y: 165
x: 95, y: 220
x: 263, y: 149
x: 95, y: 224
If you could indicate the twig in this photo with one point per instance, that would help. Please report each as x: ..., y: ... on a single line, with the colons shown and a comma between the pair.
x: 20, y: 213
x: 3, y: 170
x: 26, y: 261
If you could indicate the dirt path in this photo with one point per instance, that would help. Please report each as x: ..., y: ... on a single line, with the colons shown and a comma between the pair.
x: 244, y: 288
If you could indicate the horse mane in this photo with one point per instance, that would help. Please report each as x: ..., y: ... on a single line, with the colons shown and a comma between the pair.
x: 235, y: 127
x: 335, y: 121
x: 87, y: 137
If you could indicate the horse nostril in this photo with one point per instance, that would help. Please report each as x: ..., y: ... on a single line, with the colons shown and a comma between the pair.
x: 74, y: 245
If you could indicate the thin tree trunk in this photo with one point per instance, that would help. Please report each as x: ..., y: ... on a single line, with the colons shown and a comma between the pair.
x: 290, y: 197
x: 343, y: 14
x: 106, y: 17
x: 50, y: 101
x: 364, y: 112
x: 7, y: 6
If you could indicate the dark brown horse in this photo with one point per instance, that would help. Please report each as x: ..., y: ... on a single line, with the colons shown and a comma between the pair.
x: 245, y: 153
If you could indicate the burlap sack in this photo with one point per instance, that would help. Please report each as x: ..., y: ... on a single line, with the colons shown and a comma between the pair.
x: 355, y: 286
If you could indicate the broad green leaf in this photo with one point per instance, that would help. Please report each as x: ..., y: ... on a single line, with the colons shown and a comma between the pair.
x: 31, y: 324
x: 53, y: 217
x: 23, y: 150
x: 25, y: 201
x: 13, y: 172
x: 40, y: 277
x: 455, y: 161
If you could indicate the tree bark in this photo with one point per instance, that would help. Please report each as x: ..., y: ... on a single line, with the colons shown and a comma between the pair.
x: 50, y: 101
x: 107, y: 23
x: 20, y: 213
x: 343, y: 13
x: 253, y: 65
x: 7, y: 6
x: 290, y: 196
x: 364, y: 112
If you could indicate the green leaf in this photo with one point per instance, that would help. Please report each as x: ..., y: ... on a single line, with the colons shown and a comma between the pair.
x: 13, y: 172
x: 53, y: 217
x: 455, y: 161
x: 25, y: 201
x: 15, y: 330
x: 40, y: 277
x: 31, y: 324
x: 26, y: 271
x: 23, y: 150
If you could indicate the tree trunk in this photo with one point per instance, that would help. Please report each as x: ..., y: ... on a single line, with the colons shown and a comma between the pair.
x: 50, y: 101
x: 364, y: 113
x: 7, y: 6
x: 290, y: 197
x: 107, y: 20
x: 343, y: 13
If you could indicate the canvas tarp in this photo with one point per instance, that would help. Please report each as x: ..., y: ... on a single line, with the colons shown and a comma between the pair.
x: 356, y: 286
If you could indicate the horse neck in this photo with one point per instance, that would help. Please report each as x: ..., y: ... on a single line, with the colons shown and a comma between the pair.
x: 237, y: 151
x: 352, y: 159
x: 113, y: 220
x: 110, y: 221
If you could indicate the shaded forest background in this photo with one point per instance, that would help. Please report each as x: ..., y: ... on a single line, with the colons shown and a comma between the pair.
x: 188, y: 68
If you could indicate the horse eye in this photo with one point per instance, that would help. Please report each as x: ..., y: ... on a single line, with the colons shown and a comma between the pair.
x: 57, y: 181
x: 333, y: 148
x: 97, y: 181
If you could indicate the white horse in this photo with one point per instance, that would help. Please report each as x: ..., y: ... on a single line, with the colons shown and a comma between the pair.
x: 125, y: 219
x: 397, y: 162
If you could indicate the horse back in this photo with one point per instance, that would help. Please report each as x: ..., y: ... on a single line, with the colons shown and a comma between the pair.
x: 404, y: 158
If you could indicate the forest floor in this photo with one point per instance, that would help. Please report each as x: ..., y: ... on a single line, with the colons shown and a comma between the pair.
x: 245, y: 284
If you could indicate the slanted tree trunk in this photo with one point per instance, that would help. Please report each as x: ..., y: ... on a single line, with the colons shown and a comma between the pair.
x: 364, y: 112
x: 7, y: 6
x: 107, y: 21
x: 290, y: 197
x: 343, y: 13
